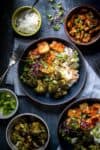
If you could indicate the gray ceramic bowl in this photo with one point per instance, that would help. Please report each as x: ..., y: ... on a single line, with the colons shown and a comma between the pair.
x: 17, y: 103
x: 31, y: 117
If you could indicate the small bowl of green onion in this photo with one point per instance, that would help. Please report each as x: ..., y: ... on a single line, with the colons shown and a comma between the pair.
x: 8, y: 103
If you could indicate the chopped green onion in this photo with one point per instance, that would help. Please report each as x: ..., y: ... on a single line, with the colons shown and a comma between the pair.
x: 56, y: 27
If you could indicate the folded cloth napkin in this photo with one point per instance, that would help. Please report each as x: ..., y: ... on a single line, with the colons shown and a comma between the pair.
x: 12, y: 77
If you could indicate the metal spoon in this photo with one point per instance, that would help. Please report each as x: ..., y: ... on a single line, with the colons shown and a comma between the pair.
x: 36, y: 1
x: 30, y: 9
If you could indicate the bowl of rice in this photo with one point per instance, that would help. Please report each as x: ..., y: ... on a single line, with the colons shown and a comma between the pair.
x: 26, y: 21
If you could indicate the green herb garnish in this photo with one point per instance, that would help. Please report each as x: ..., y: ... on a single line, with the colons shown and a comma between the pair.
x: 56, y: 27
x: 56, y: 19
x: 7, y: 103
x: 50, y: 17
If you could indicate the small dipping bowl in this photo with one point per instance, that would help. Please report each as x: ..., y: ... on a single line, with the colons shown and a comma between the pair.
x: 9, y: 92
x: 19, y: 14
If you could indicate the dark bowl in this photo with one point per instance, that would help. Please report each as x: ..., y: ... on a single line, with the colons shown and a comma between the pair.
x: 29, y: 117
x: 46, y: 99
x: 74, y: 11
x: 64, y: 144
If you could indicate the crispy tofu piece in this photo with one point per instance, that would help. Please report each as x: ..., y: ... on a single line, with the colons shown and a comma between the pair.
x: 33, y: 52
x: 43, y: 47
x: 57, y: 46
x: 71, y: 113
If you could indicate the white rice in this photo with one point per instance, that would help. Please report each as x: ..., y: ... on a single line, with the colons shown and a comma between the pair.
x: 28, y: 23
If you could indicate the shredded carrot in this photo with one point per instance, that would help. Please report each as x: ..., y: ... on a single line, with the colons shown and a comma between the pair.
x: 50, y: 58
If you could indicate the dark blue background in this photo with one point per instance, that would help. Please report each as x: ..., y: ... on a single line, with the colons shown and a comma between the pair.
x: 92, y: 54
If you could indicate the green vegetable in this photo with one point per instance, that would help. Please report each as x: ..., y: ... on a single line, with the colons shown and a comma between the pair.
x: 50, y: 17
x: 56, y: 27
x: 41, y: 87
x: 52, y: 87
x: 74, y: 123
x: 96, y: 131
x: 28, y: 135
x: 57, y: 17
x: 94, y: 147
x: 7, y: 103
x: 77, y: 20
x: 59, y: 5
x: 60, y: 13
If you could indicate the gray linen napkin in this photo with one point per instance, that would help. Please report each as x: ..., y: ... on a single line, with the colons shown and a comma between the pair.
x: 12, y: 77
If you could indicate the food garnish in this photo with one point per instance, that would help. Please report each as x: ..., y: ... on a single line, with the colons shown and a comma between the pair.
x: 28, y: 135
x: 56, y: 17
x: 7, y: 103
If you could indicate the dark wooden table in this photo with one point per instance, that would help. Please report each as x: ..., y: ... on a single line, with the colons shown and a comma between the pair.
x: 7, y: 37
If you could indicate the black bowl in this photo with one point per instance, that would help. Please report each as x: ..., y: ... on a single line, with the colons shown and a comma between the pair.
x: 64, y: 144
x: 46, y: 99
